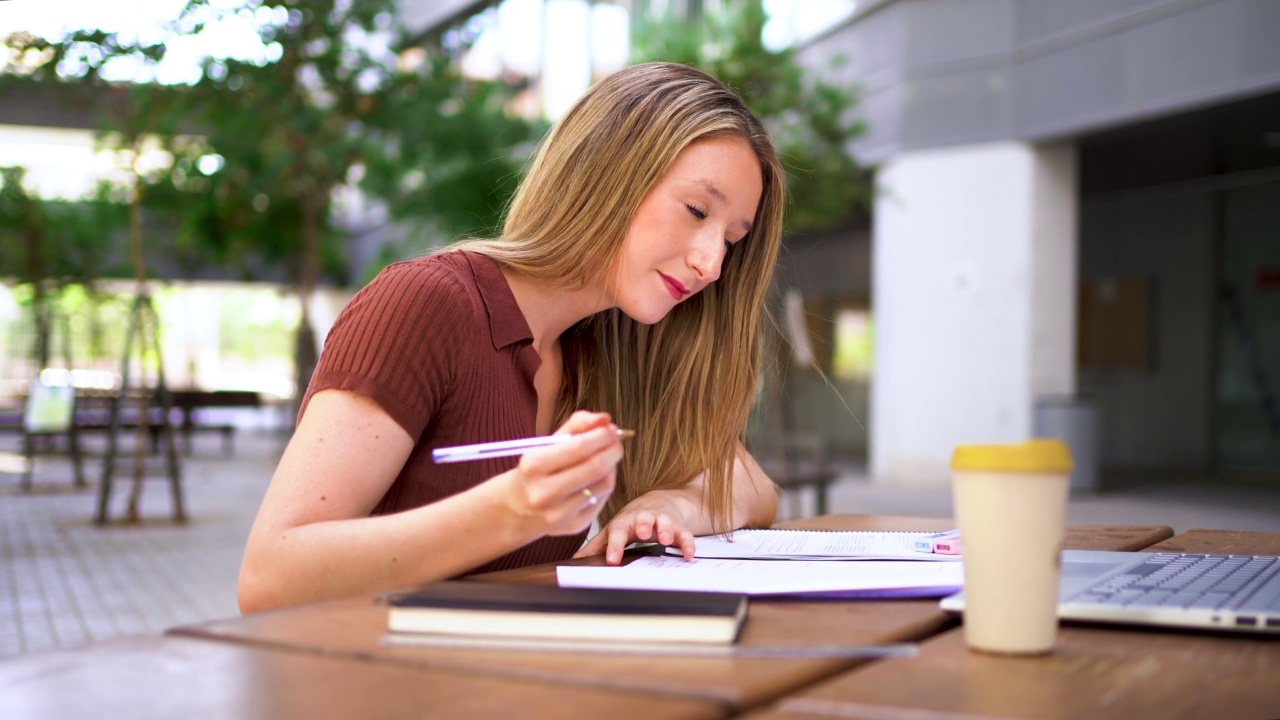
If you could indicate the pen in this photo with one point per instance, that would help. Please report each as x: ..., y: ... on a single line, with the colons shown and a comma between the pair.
x: 504, y: 448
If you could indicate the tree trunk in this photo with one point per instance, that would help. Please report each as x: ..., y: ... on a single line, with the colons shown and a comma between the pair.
x: 31, y: 226
x: 40, y: 309
x: 136, y: 255
x: 305, y: 354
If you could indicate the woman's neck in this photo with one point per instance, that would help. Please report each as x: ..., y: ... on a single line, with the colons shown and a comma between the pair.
x: 550, y: 311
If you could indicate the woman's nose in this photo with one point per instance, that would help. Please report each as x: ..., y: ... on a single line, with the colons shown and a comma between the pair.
x: 706, y: 259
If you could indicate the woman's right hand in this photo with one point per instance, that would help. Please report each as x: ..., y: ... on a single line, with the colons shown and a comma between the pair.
x: 559, y: 489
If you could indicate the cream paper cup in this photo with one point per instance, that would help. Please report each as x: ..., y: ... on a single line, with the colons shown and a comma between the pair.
x: 1011, y: 506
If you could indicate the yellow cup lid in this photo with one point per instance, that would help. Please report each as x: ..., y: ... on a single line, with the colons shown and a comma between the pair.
x: 1037, y: 455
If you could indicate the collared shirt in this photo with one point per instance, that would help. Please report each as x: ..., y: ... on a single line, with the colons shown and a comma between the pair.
x: 441, y: 345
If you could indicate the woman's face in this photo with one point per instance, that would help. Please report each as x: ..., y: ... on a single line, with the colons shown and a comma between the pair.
x: 680, y: 233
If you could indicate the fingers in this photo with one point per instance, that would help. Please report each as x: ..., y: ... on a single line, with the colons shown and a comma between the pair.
x: 575, y: 451
x: 593, y: 498
x: 579, y: 509
x: 561, y: 489
x: 685, y: 541
x: 594, y: 546
x: 666, y: 533
x: 560, y: 473
x: 646, y: 527
x: 582, y: 421
x: 619, y: 534
x: 658, y: 528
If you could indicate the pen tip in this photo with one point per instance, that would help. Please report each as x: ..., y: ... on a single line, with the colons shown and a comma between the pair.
x: 624, y: 434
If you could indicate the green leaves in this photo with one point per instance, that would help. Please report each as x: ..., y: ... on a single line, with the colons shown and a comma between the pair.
x: 444, y: 153
x: 67, y: 242
x: 341, y: 106
x: 812, y: 122
x: 330, y: 101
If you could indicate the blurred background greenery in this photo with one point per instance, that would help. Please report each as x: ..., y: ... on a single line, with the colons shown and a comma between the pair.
x: 251, y: 191
x: 1074, y: 207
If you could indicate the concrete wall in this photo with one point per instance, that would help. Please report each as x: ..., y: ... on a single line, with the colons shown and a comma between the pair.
x: 968, y: 243
x: 948, y: 72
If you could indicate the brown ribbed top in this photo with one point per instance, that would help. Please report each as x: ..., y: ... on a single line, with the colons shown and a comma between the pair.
x: 441, y: 345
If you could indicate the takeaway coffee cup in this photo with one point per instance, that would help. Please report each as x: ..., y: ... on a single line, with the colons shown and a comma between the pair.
x: 1011, y: 505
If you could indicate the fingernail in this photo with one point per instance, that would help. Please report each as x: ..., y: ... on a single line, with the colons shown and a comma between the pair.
x: 612, y: 557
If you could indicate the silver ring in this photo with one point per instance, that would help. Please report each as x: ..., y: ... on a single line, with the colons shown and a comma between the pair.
x: 592, y: 500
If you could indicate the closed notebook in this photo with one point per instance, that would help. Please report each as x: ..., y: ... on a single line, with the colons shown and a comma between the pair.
x: 460, y: 607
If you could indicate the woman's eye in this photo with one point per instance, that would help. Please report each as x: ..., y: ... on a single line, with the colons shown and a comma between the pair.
x: 694, y: 211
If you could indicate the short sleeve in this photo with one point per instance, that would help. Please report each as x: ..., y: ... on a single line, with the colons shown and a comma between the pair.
x: 399, y: 342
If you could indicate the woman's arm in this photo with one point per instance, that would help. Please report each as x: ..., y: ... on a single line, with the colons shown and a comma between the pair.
x: 675, y: 516
x: 313, y: 537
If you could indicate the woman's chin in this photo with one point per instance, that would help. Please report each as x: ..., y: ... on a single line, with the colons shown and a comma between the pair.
x: 645, y: 316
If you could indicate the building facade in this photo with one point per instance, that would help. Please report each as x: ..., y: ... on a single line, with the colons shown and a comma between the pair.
x: 1078, y: 205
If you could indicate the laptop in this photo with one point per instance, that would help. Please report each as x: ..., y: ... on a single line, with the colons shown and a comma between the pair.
x: 1239, y: 593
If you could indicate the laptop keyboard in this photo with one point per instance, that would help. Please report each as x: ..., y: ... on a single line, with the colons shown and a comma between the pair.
x: 1246, y: 583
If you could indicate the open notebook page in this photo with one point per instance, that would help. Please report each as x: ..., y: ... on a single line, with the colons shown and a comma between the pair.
x: 820, y: 545
x: 771, y: 577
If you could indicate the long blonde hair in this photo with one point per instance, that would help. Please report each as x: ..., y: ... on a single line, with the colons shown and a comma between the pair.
x: 685, y: 383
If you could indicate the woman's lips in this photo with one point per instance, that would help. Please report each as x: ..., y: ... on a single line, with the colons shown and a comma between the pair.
x: 677, y: 290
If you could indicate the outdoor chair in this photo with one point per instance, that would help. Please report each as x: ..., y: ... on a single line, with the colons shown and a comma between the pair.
x: 797, y: 463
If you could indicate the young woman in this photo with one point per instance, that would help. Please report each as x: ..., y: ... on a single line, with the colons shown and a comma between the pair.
x: 625, y: 291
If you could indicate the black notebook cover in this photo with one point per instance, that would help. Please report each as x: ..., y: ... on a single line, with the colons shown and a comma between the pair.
x: 507, y: 597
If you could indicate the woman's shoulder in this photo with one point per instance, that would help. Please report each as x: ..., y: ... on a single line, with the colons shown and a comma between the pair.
x: 441, y: 278
x: 446, y: 267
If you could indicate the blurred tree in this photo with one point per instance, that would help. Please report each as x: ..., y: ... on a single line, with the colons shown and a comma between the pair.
x: 23, y: 233
x: 345, y: 102
x: 445, y: 154
x: 136, y: 121
x: 811, y: 121
x: 338, y: 99
x: 83, y: 238
x: 51, y: 245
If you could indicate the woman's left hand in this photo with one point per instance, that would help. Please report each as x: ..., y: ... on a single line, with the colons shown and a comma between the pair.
x: 657, y: 516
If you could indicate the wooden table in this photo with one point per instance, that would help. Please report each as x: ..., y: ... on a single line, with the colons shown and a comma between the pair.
x: 144, y: 677
x: 1095, y: 672
x: 356, y: 628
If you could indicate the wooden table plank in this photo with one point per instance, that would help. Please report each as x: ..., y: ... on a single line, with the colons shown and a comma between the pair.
x: 1095, y: 672
x: 145, y: 677
x: 1221, y: 541
x: 357, y: 627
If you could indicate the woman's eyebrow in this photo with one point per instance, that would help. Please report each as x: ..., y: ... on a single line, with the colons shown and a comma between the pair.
x: 711, y: 188
x: 715, y: 193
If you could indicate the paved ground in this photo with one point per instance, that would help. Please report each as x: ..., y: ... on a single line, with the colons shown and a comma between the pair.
x: 65, y: 581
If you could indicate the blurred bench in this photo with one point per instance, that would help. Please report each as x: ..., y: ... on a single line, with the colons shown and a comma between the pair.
x: 191, y: 402
x: 796, y: 463
x: 93, y: 414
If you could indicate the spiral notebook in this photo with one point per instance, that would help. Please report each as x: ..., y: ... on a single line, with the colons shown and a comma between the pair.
x: 773, y: 578
x: 783, y: 544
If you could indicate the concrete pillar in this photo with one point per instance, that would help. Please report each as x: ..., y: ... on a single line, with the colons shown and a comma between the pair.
x: 973, y: 277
